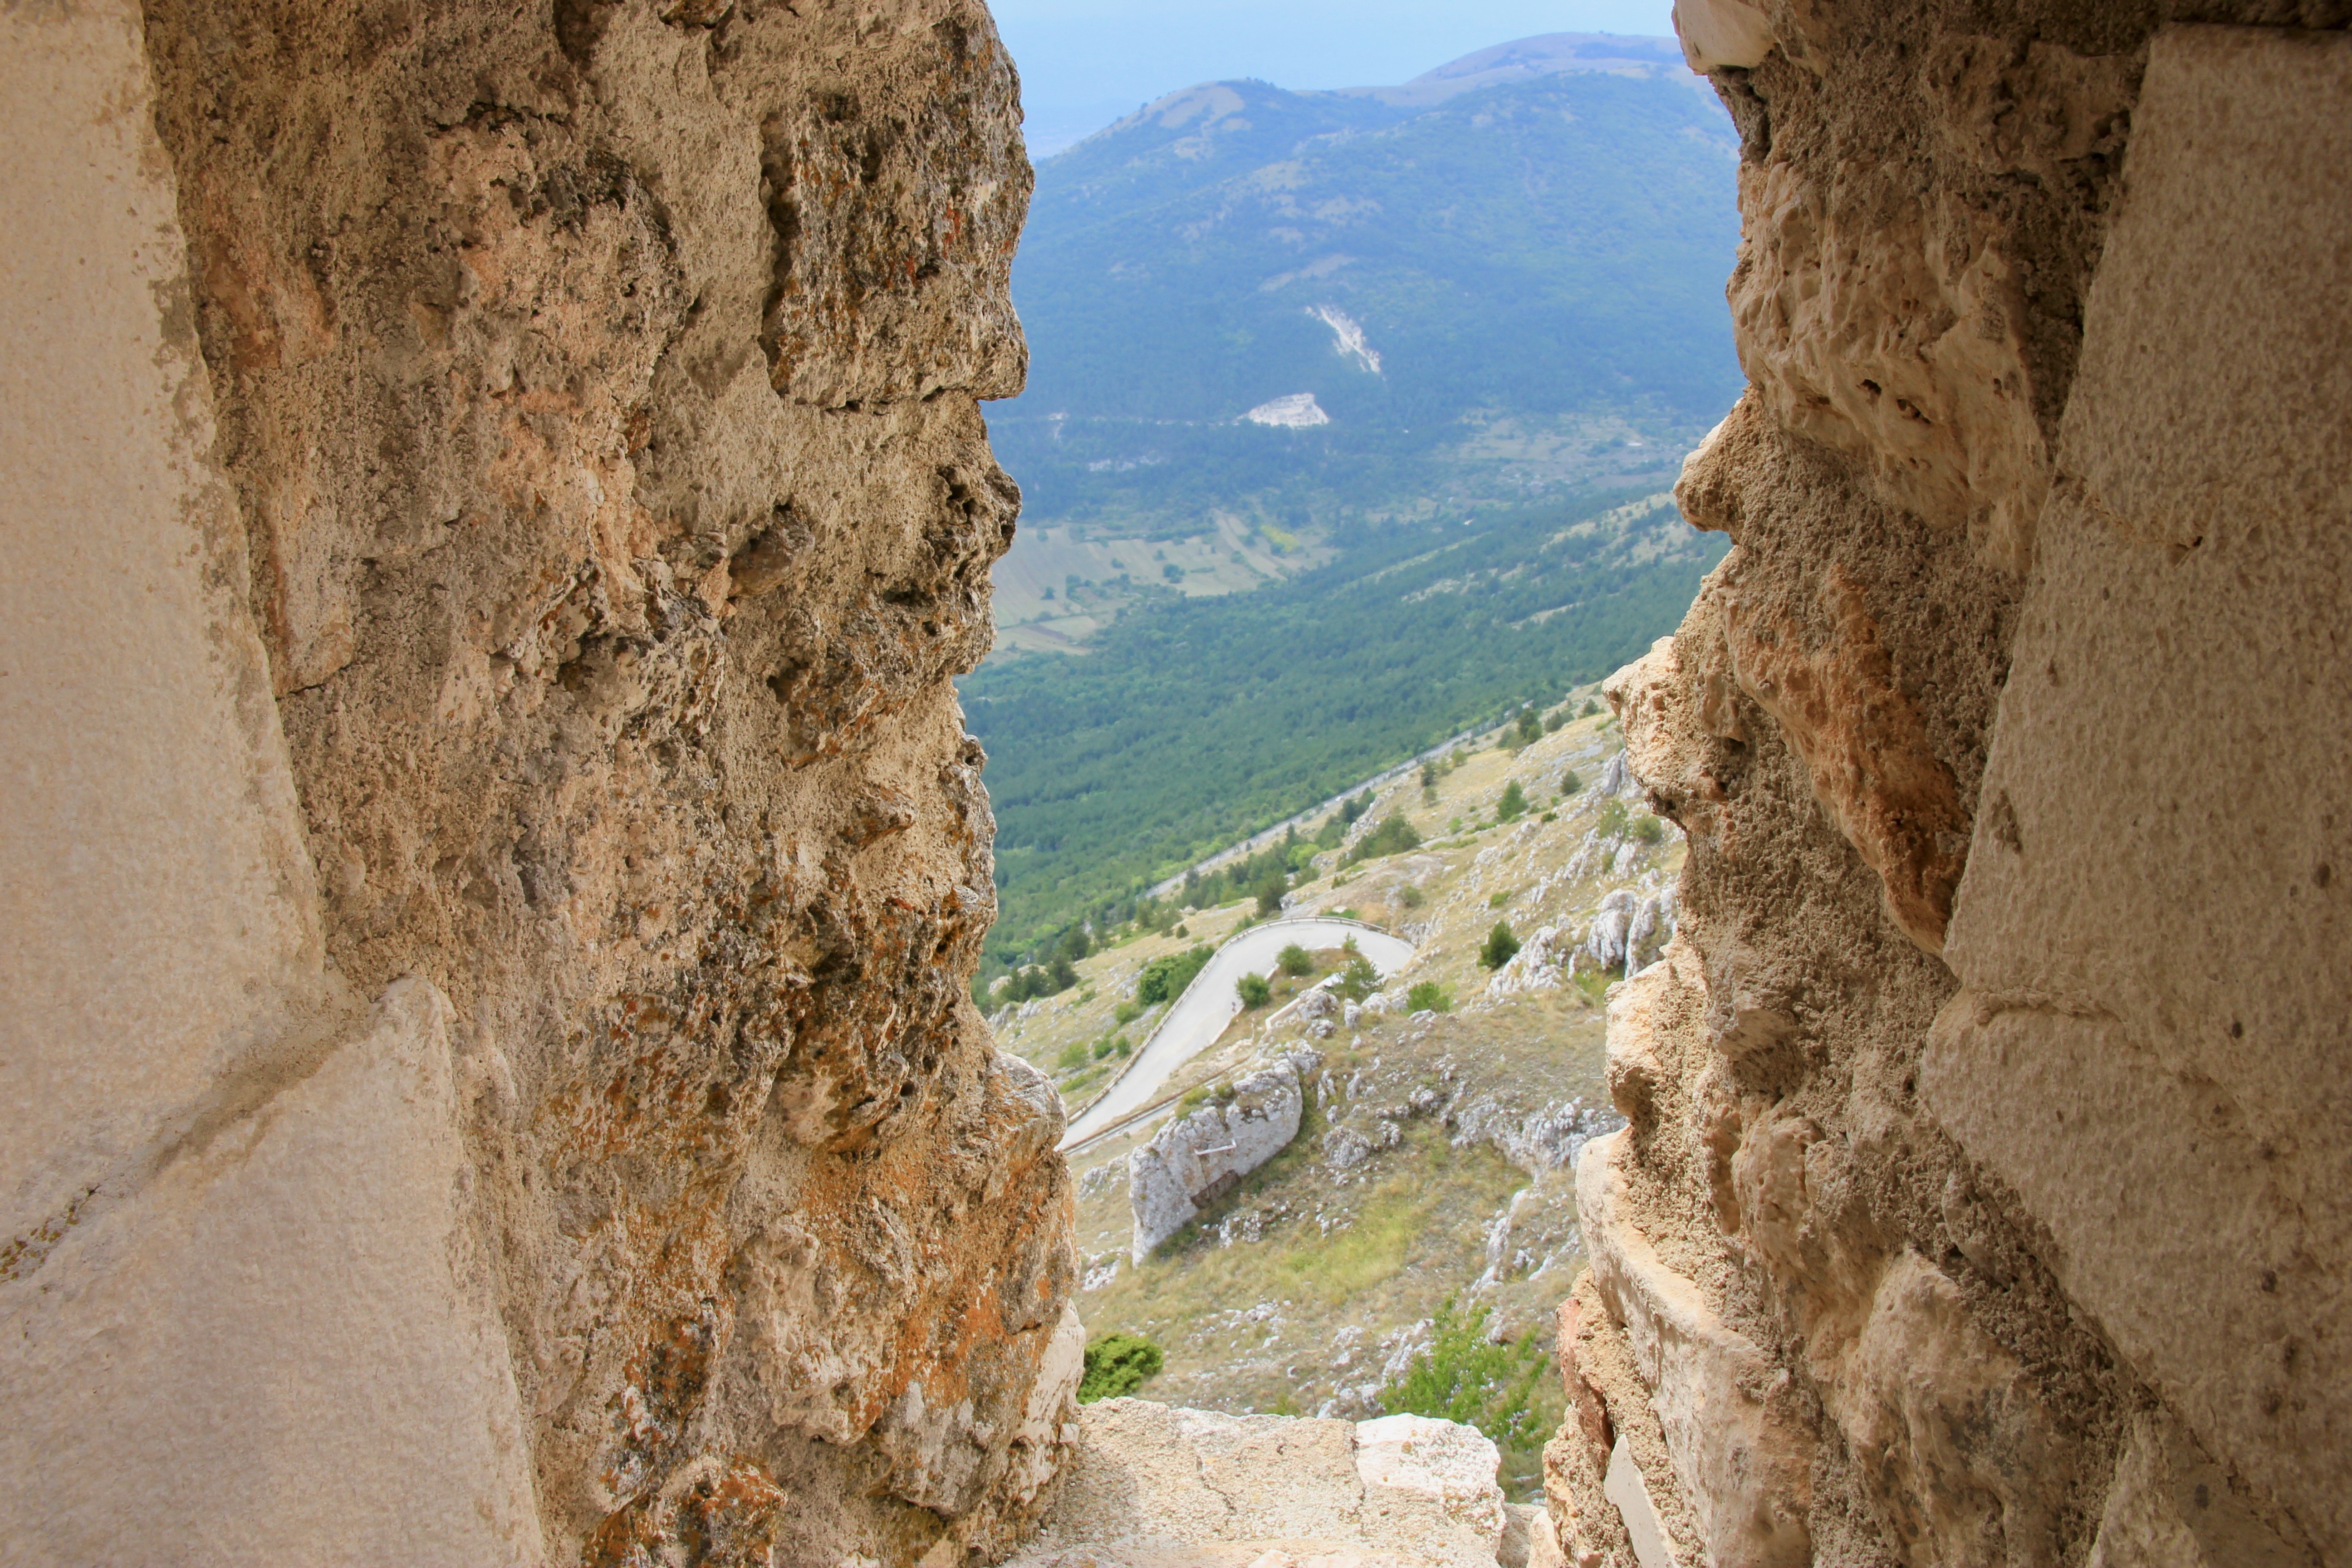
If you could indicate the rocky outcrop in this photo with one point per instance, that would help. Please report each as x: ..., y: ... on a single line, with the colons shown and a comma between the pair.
x: 1198, y: 1158
x: 493, y: 861
x: 1150, y: 1486
x: 1983, y: 1195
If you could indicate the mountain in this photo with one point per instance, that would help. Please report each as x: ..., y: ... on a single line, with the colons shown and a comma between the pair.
x: 1305, y: 309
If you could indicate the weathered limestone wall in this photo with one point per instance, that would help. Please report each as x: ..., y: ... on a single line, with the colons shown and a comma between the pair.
x: 492, y: 864
x: 1988, y: 1192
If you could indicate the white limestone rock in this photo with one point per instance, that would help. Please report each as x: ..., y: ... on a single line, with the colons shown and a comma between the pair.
x: 1197, y: 1159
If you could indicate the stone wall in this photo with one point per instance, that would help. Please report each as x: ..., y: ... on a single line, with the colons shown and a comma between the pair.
x: 1988, y: 1192
x: 496, y: 495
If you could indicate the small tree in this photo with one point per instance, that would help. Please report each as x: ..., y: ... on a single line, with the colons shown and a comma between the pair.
x: 1428, y: 996
x: 1570, y: 783
x: 1075, y: 943
x: 1253, y: 991
x: 1060, y: 975
x: 1530, y: 728
x: 1500, y: 945
x: 1650, y: 830
x: 1409, y: 897
x: 1589, y: 710
x: 1359, y: 980
x: 1117, y: 1365
x: 1270, y: 896
x: 1296, y: 961
x: 1514, y: 804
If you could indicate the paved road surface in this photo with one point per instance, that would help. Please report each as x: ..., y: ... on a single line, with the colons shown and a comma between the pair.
x: 1210, y: 1003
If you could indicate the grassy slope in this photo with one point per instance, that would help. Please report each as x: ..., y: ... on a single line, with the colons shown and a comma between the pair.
x: 1294, y: 1291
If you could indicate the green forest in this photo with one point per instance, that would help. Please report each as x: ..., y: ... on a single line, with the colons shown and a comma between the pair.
x: 1199, y: 721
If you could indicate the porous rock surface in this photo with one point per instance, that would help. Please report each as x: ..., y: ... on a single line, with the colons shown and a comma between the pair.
x: 496, y: 495
x: 1157, y: 1485
x: 1985, y: 1196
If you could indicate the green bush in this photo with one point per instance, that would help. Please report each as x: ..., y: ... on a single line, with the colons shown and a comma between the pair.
x: 1409, y: 897
x: 1359, y: 980
x: 1076, y: 944
x: 1270, y: 896
x: 1074, y: 1054
x: 1529, y: 727
x: 1498, y: 897
x: 1514, y: 804
x: 1060, y: 974
x: 1464, y: 1376
x: 1614, y: 820
x: 1112, y: 1046
x: 1500, y: 944
x: 1589, y: 710
x: 1296, y: 961
x: 1649, y: 830
x: 1570, y: 783
x: 1125, y: 1013
x: 1164, y: 979
x: 1393, y: 836
x: 1118, y: 1364
x: 1253, y: 991
x: 1428, y: 996
x: 1555, y: 719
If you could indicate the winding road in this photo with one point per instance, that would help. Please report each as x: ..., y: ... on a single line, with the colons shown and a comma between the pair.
x: 1209, y: 1004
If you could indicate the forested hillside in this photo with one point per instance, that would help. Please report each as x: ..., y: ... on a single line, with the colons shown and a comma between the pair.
x: 1197, y: 720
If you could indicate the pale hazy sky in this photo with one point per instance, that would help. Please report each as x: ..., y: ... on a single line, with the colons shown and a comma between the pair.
x: 1084, y: 63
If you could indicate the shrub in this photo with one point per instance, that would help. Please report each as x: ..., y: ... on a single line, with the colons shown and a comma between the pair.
x: 1650, y: 830
x: 1060, y: 975
x: 1550, y: 817
x: 1428, y: 996
x: 1164, y: 979
x: 1464, y: 1376
x: 1269, y: 897
x: 1529, y: 727
x: 1181, y: 930
x: 1570, y: 783
x: 1359, y: 980
x: 1615, y: 819
x: 1555, y: 719
x: 1429, y: 776
x: 1393, y: 836
x: 1453, y: 826
x: 1074, y: 1054
x: 1409, y: 897
x: 1296, y: 961
x: 1117, y: 1365
x: 1125, y: 1013
x: 1589, y: 710
x: 1514, y: 804
x: 1253, y: 991
x: 1499, y: 946
x: 1498, y: 897
x: 1076, y: 944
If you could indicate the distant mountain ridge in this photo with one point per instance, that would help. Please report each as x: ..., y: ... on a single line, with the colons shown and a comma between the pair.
x: 1504, y: 275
